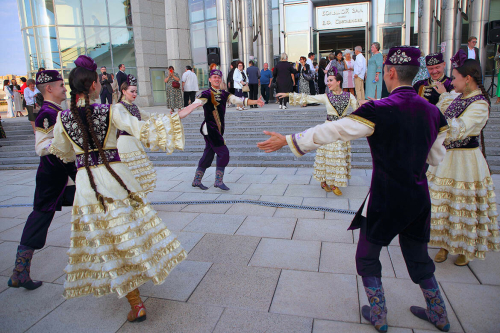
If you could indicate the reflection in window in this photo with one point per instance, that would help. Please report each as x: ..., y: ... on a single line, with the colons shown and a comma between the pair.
x: 27, y: 10
x: 390, y: 11
x: 31, y: 58
x: 297, y: 45
x: 47, y: 49
x: 122, y: 40
x: 201, y: 72
x: 158, y: 85
x: 94, y: 12
x: 98, y: 46
x: 120, y: 13
x: 68, y: 12
x: 198, y: 45
x: 275, y: 3
x: 276, y: 32
x: 390, y: 37
x: 212, y: 38
x: 296, y: 18
x: 43, y: 12
x: 196, y: 10
x: 71, y: 43
x: 210, y: 9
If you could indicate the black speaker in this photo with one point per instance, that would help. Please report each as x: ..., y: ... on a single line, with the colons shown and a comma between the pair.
x: 494, y: 32
x: 213, y: 56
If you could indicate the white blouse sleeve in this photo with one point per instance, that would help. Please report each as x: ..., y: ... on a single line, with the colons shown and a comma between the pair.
x: 438, y: 151
x: 61, y: 145
x: 470, y: 122
x: 301, y: 99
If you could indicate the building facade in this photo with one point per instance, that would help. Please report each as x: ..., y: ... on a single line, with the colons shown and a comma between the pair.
x: 150, y: 35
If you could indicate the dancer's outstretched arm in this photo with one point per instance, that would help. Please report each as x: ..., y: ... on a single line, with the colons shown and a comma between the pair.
x: 188, y: 109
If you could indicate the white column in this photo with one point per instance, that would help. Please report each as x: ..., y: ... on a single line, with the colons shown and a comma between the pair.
x: 224, y: 34
x: 424, y: 25
x: 448, y: 22
x: 246, y: 32
x: 266, y: 33
x: 478, y: 17
x: 374, y: 22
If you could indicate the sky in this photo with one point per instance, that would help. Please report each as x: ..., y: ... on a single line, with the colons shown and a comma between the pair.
x: 12, y: 59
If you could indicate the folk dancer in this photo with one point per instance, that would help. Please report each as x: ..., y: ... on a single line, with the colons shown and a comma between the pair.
x: 428, y: 88
x: 405, y: 133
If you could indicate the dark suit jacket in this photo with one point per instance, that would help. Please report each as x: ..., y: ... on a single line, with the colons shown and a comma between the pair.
x: 121, y: 77
x: 466, y: 49
x: 106, y: 84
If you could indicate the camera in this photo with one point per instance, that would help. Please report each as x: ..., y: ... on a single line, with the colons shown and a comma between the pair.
x: 104, y: 73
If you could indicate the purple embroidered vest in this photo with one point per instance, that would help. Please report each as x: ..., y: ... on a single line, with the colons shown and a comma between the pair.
x: 456, y: 108
x: 134, y: 110
x: 339, y: 103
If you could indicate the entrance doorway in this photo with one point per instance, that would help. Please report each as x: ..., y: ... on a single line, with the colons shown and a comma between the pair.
x: 158, y: 86
x: 340, y: 40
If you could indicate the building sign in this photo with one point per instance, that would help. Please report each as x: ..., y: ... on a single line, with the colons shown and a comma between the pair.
x: 342, y: 16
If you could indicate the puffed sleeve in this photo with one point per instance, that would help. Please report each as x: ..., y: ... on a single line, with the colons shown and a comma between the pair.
x: 301, y: 99
x: 445, y: 100
x: 61, y: 145
x: 144, y: 115
x: 160, y: 131
x: 237, y: 100
x: 470, y: 122
x: 353, y: 102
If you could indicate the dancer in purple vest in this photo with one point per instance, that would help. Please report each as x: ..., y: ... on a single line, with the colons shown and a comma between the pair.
x: 52, y: 190
x: 430, y: 88
x: 214, y: 102
x: 405, y: 134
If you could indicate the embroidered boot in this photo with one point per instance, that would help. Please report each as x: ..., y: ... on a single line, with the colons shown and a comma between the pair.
x: 436, y: 309
x: 138, y: 312
x: 198, y: 176
x: 21, y: 273
x: 219, y: 175
x: 376, y: 313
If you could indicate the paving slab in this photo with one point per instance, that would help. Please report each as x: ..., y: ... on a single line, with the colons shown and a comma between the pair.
x: 317, y: 295
x: 355, y: 204
x: 245, y: 321
x: 256, y: 179
x: 170, y: 316
x: 9, y: 222
x: 488, y: 270
x: 341, y: 259
x: 234, y: 286
x: 60, y: 237
x: 287, y: 254
x: 248, y: 170
x: 304, y: 171
x: 21, y: 308
x: 169, y: 208
x: 215, y: 223
x: 282, y: 199
x: 249, y: 209
x: 309, y: 191
x: 3, y: 283
x: 260, y: 189
x: 299, y: 213
x: 189, y: 239
x: 176, y: 221
x: 224, y: 249
x: 8, y: 255
x: 351, y: 192
x: 160, y: 196
x: 339, y: 216
x: 326, y: 202
x: 13, y: 234
x: 269, y: 227
x: 18, y: 212
x: 207, y: 208
x: 328, y: 326
x: 360, y: 180
x: 323, y: 230
x: 199, y: 196
x: 165, y: 185
x: 235, y: 188
x: 224, y: 196
x: 279, y: 171
x: 476, y: 306
x: 293, y: 179
x: 180, y: 283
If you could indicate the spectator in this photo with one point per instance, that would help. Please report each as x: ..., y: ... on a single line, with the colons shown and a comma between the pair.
x: 121, y: 76
x: 284, y: 74
x: 266, y: 78
x: 373, y: 77
x: 106, y: 92
x: 31, y: 105
x: 471, y: 49
x: 189, y: 85
x: 348, y: 73
x: 41, y: 69
x: 240, y: 80
x: 174, y: 92
x: 337, y: 61
x: 359, y: 74
x: 230, y: 81
x: 115, y: 85
x: 310, y: 62
x: 10, y: 97
x: 304, y: 78
x: 23, y: 86
x: 321, y: 76
x: 253, y: 82
x: 18, y: 101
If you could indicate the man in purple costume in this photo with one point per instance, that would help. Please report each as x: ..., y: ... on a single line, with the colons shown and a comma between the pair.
x: 52, y: 190
x: 214, y: 102
x: 405, y: 134
x: 428, y: 88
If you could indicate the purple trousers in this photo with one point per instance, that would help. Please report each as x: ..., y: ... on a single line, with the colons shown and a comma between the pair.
x: 209, y: 153
x: 420, y: 266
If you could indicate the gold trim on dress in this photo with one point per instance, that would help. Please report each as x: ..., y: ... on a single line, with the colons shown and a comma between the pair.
x: 444, y: 128
x: 477, y: 185
x: 45, y: 130
x: 361, y: 120
x: 66, y: 157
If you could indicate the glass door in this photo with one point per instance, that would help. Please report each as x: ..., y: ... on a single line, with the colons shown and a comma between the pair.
x: 158, y: 86
x: 390, y: 36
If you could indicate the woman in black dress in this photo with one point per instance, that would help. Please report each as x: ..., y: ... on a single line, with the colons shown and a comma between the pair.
x: 283, y: 75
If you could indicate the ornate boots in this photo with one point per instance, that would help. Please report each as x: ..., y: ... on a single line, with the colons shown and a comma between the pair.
x: 21, y: 273
x: 376, y: 313
x: 436, y: 309
x: 197, y: 179
x: 138, y: 311
x: 219, y: 175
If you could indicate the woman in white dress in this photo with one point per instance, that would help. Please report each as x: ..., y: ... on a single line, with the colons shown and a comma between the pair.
x: 348, y: 73
x: 332, y: 164
x: 18, y: 101
x: 9, y: 95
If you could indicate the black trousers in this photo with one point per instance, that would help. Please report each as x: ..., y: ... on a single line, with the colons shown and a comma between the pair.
x: 209, y: 154
x: 105, y: 94
x: 38, y: 223
x: 420, y: 266
x: 254, y: 90
x: 189, y: 95
x: 264, y: 91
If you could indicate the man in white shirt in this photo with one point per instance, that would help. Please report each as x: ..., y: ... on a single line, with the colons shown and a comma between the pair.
x: 310, y: 62
x: 359, y: 73
x: 471, y: 49
x: 189, y: 85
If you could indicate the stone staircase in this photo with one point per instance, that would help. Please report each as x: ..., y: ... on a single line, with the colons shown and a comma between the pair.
x: 243, y: 131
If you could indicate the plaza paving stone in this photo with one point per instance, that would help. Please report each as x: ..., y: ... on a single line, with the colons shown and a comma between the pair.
x: 250, y: 268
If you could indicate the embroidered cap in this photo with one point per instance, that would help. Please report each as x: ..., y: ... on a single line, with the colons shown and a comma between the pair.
x: 403, y: 56
x: 458, y: 59
x: 86, y: 62
x: 131, y: 80
x: 215, y: 72
x: 332, y: 71
x: 48, y: 76
x: 434, y: 59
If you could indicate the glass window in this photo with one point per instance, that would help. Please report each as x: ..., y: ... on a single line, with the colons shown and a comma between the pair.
x: 43, y: 12
x: 276, y: 32
x: 98, y: 45
x: 297, y: 18
x: 22, y: 13
x: 390, y: 11
x: 198, y: 45
x: 389, y: 37
x: 69, y: 12
x: 210, y: 9
x: 71, y: 42
x: 47, y: 49
x: 29, y: 41
x: 196, y: 10
x: 211, y: 33
x: 201, y: 71
x: 291, y: 1
x: 120, y: 13
x: 27, y: 10
x: 94, y: 12
x: 297, y: 45
x: 158, y: 84
x: 122, y: 40
x: 275, y: 3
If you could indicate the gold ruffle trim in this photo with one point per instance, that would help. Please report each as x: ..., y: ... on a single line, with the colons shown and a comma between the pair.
x: 133, y: 154
x: 297, y: 99
x: 178, y: 132
x: 135, y: 200
x: 445, y: 208
x: 66, y: 157
x: 436, y: 223
x: 462, y: 199
x: 478, y: 185
x: 459, y: 250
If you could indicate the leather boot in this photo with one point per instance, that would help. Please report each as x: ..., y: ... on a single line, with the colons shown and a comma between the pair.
x: 138, y: 312
x: 441, y: 256
x: 436, y: 309
x: 376, y: 313
x: 197, y: 179
x: 21, y: 274
x: 219, y: 175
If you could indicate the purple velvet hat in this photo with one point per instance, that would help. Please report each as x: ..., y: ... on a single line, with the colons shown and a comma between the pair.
x: 332, y: 71
x: 403, y: 56
x: 131, y: 80
x: 458, y: 59
x: 434, y: 59
x: 48, y: 76
x: 215, y: 72
x: 86, y: 62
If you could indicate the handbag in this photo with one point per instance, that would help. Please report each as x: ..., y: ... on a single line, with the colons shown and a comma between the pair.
x: 245, y: 88
x: 176, y: 84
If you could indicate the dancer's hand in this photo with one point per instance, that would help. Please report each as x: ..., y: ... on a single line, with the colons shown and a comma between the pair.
x: 275, y: 142
x: 363, y: 101
x: 260, y: 102
x: 440, y: 88
x: 281, y: 95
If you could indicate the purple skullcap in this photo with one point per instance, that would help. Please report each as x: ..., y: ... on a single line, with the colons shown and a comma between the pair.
x: 215, y: 72
x: 403, y: 56
x: 332, y: 71
x: 48, y: 76
x: 458, y: 59
x: 86, y: 62
x: 434, y: 59
x: 131, y: 80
